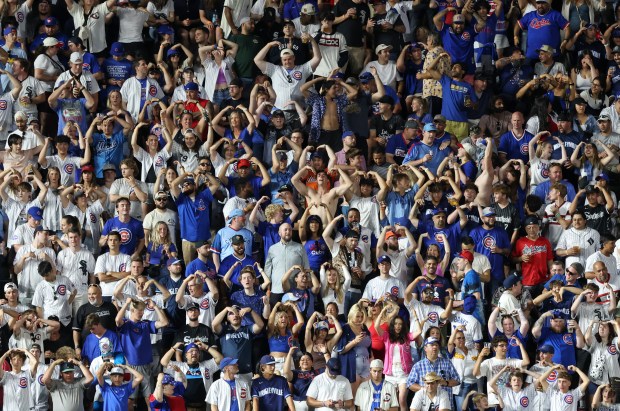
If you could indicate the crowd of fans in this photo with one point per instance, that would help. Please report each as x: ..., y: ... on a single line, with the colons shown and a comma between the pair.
x: 284, y: 204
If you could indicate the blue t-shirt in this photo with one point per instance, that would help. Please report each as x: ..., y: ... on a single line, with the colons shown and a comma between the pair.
x: 131, y: 233
x: 256, y: 183
x: 317, y: 252
x: 460, y: 47
x: 115, y: 398
x: 221, y: 243
x: 229, y: 262
x: 440, y: 286
x: 486, y: 36
x: 471, y: 283
x: 452, y: 233
x: 136, y: 341
x: 515, y: 148
x: 542, y: 30
x: 107, y: 150
x: 269, y: 232
x: 90, y: 347
x: 513, y: 348
x: 117, y: 70
x: 543, y: 189
x: 38, y: 41
x: 255, y: 301
x: 71, y: 109
x: 199, y: 265
x: 418, y: 151
x: 571, y: 140
x: 301, y: 382
x: 398, y: 147
x: 400, y: 206
x: 194, y: 216
x: 156, y: 253
x: 454, y: 94
x: 484, y: 240
x: 271, y: 393
x: 563, y: 343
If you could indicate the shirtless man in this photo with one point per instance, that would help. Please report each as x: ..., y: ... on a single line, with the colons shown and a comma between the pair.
x: 323, y: 193
x: 486, y: 178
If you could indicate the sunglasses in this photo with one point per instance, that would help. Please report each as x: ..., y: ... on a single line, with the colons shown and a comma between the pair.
x: 161, y: 199
x: 568, y: 271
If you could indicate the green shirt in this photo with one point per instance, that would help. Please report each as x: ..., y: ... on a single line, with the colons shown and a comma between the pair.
x: 249, y: 46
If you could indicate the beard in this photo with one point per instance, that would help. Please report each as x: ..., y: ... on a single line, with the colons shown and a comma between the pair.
x: 393, y: 247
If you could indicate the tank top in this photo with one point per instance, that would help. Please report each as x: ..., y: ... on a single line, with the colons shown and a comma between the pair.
x: 280, y: 343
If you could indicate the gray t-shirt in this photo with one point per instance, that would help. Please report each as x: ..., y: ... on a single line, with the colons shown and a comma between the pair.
x: 68, y: 396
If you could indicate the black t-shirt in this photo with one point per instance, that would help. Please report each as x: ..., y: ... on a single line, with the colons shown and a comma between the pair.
x: 352, y: 28
x: 507, y: 218
x: 301, y: 50
x: 386, y: 128
x: 188, y: 334
x: 106, y: 312
x: 230, y: 102
x: 598, y: 218
x: 195, y: 392
x: 391, y: 36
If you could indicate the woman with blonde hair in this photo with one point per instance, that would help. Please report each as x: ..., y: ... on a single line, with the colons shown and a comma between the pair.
x: 280, y: 335
x: 333, y: 285
x: 354, y: 347
x: 589, y: 163
x: 540, y: 152
x: 159, y: 250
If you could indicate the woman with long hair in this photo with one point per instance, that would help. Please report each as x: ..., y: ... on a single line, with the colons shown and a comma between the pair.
x: 218, y: 61
x: 114, y: 107
x: 419, y: 111
x: 600, y: 344
x: 595, y: 97
x: 241, y: 124
x: 189, y: 150
x: 604, y: 398
x: 333, y: 286
x: 159, y: 250
x: 280, y: 335
x: 583, y: 122
x: 300, y: 378
x: 317, y: 340
x: 584, y: 72
x: 542, y: 117
x: 540, y: 152
x: 397, y: 340
x: 463, y: 359
x: 311, y: 236
x: 354, y: 346
x: 589, y: 163
x: 47, y: 68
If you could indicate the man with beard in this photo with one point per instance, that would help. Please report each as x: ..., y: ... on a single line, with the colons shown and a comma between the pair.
x: 249, y: 46
x: 550, y: 329
x: 494, y: 243
x: 555, y: 176
x: 458, y: 39
x: 429, y: 153
x: 451, y: 233
x: 222, y: 246
x: 425, y: 309
x: 235, y: 88
x: 535, y: 255
x: 399, y: 144
x: 193, y: 331
x: 385, y: 123
x: 199, y: 373
x: 388, y: 245
x: 543, y: 27
x: 385, y: 283
x: 236, y: 339
x: 230, y: 267
x: 547, y: 65
x: 105, y: 310
x: 192, y: 207
x: 514, y: 144
x: 457, y: 95
x: 569, y: 137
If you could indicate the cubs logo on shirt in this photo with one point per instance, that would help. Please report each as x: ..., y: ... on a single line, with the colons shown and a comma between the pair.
x: 394, y: 290
x: 62, y: 289
x: 488, y: 242
x: 439, y: 237
x: 567, y: 339
x: 121, y: 267
x: 69, y: 168
x: 568, y: 399
x: 40, y: 379
x: 433, y: 316
x: 552, y: 377
x: 207, y: 374
x: 23, y: 382
x: 524, y: 401
x: 387, y: 397
x: 365, y: 238
x: 152, y: 90
x: 296, y: 75
x: 465, y: 36
x: 524, y: 149
x: 3, y: 105
x: 545, y: 171
x: 243, y: 393
x: 125, y: 235
x: 612, y: 349
x: 19, y: 16
x: 159, y: 162
x: 204, y: 304
x: 92, y: 217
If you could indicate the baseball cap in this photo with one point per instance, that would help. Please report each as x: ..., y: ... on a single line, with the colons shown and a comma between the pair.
x: 191, y: 86
x: 382, y: 47
x: 277, y: 113
x: 546, y: 48
x: 50, y: 21
x: 532, y: 219
x: 244, y: 162
x: 383, y: 259
x: 511, y: 280
x: 412, y: 123
x: 237, y: 239
x: 88, y: 168
x: 267, y: 359
x: 564, y: 116
x: 602, y: 176
x: 365, y: 77
x: 117, y: 370
x: 347, y: 134
x: 308, y: 9
x: 285, y: 187
x: 439, y: 118
x: 333, y: 365
x: 173, y: 52
x: 287, y: 51
x: 165, y: 29
x: 235, y: 213
x: 429, y: 127
x: 117, y: 49
x: 467, y: 255
x: 189, y: 180
x: 289, y: 297
x: 76, y: 57
x: 172, y: 261
x: 192, y: 306
x: 190, y: 346
x: 431, y: 340
x: 10, y: 286
x: 377, y: 363
x: 236, y: 82
x: 9, y: 29
x: 109, y: 166
x: 605, y: 117
x: 168, y: 379
x: 352, y: 81
x: 558, y: 315
x: 546, y: 348
x: 390, y: 234
x: 36, y: 213
x: 617, y: 48
x: 243, y: 20
x: 488, y: 212
x: 50, y: 41
x: 386, y: 100
x: 458, y: 18
x: 579, y: 101
x: 226, y: 361
x: 67, y: 367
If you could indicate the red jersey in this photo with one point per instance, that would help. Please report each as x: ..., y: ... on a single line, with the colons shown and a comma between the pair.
x: 536, y: 270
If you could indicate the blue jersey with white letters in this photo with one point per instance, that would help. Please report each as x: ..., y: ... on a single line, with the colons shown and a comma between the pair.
x: 542, y: 30
x: 271, y: 393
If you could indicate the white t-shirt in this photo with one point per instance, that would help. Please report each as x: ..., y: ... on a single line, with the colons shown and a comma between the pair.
x: 53, y: 298
x: 564, y: 402
x: 378, y: 287
x: 429, y: 311
x: 167, y: 216
x: 131, y: 24
x: 473, y: 328
x: 76, y: 266
x: 17, y: 390
x: 121, y: 187
x: 207, y: 307
x: 50, y: 66
x: 31, y: 87
x: 422, y: 402
x: 490, y: 368
x: 323, y: 388
x: 29, y: 277
x: 239, y: 9
x: 518, y: 401
x: 116, y: 263
x: 386, y: 72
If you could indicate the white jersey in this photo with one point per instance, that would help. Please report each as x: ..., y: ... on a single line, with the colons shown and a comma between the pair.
x: 287, y: 83
x: 378, y: 287
x: 564, y: 402
x: 239, y: 9
x: 169, y: 217
x: 587, y: 239
x: 369, y: 212
x: 207, y: 307
x: 610, y: 263
x: 179, y: 93
x: 95, y: 24
x: 133, y: 94
x: 523, y: 400
x: 429, y: 311
x: 115, y: 263
x: 77, y: 266
x: 154, y: 164
x: 31, y: 87
x: 26, y: 338
x: 6, y: 115
x: 187, y: 158
x: 212, y: 71
x: 473, y: 328
x: 219, y: 394
x: 421, y: 401
x: 29, y: 277
x: 90, y: 220
x: 24, y: 234
x: 554, y: 229
x: 207, y: 369
x: 16, y: 390
x: 52, y: 213
x: 38, y: 391
x: 20, y: 16
x: 68, y: 167
x: 121, y: 187
x: 331, y: 46
x: 53, y: 298
x: 86, y: 79
x: 17, y: 213
x: 587, y: 312
x: 490, y: 368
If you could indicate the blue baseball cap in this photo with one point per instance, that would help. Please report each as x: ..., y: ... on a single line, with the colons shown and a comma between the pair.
x: 267, y: 359
x: 36, y: 213
x: 172, y: 52
x: 191, y: 86
x: 172, y: 261
x: 190, y: 346
x: 347, y: 134
x: 50, y: 21
x: 117, y: 49
x: 165, y: 29
x: 168, y: 379
x: 365, y: 77
x: 383, y: 259
x: 235, y: 213
x: 226, y: 361
x: 430, y: 127
x: 8, y: 30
